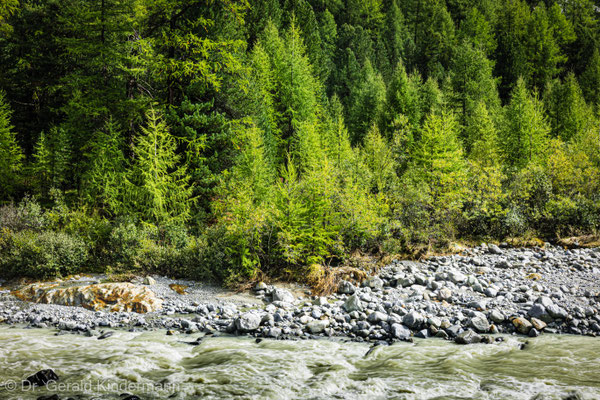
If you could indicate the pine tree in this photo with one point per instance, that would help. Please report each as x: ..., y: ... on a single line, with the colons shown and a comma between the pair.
x: 395, y: 33
x: 10, y: 152
x: 511, y: 33
x: 159, y: 190
x: 103, y: 182
x: 526, y: 129
x: 105, y: 66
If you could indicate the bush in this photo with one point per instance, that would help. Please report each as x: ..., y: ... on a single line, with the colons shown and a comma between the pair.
x: 27, y: 215
x: 41, y: 254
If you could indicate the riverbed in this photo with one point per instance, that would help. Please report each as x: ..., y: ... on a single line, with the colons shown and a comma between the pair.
x: 153, y: 365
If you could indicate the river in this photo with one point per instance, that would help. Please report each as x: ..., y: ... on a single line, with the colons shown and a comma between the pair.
x: 153, y: 365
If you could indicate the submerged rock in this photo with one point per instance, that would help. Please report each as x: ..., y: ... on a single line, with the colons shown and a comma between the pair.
x: 468, y: 337
x: 522, y: 325
x: 41, y: 378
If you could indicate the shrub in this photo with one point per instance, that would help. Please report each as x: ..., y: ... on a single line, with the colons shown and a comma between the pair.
x: 41, y: 254
x: 27, y: 215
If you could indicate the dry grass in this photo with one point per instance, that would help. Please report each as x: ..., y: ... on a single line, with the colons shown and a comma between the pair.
x: 121, y: 277
x: 586, y: 241
x: 332, y: 276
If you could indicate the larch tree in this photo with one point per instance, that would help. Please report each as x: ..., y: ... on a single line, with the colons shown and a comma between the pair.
x: 104, y: 179
x: 525, y: 130
x: 158, y: 185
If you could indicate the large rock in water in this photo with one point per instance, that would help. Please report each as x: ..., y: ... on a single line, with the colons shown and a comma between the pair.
x: 41, y: 378
x: 122, y: 296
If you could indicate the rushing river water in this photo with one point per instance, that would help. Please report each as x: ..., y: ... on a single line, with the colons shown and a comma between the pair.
x: 155, y: 366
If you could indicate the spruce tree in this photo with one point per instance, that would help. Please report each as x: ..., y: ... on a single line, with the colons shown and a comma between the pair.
x: 10, y: 152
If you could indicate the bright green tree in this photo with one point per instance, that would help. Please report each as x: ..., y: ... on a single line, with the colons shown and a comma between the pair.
x: 543, y: 49
x: 103, y: 181
x: 368, y: 101
x: 402, y: 98
x: 525, y: 132
x: 52, y: 160
x: 158, y: 186
x: 478, y: 30
x: 438, y: 164
x: 481, y: 137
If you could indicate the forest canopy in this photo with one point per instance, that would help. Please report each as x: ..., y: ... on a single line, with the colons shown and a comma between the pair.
x: 223, y: 139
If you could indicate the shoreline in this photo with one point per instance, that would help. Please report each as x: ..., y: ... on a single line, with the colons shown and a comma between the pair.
x: 485, y: 290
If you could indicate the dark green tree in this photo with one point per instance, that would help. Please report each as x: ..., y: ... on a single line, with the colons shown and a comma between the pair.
x: 11, y: 155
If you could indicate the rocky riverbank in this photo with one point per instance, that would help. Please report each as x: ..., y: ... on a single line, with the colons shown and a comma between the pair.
x: 484, y: 290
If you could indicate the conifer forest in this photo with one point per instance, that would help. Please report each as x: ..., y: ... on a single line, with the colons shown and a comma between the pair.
x: 228, y: 140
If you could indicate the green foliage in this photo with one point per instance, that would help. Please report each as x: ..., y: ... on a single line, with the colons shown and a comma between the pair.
x: 294, y: 131
x: 472, y: 82
x: 158, y: 187
x: 543, y: 50
x: 568, y: 112
x: 40, y: 254
x: 590, y: 81
x: 7, y: 8
x: 523, y: 138
x: 368, y: 102
x: 52, y: 160
x: 10, y: 152
x: 103, y: 182
x: 402, y: 97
